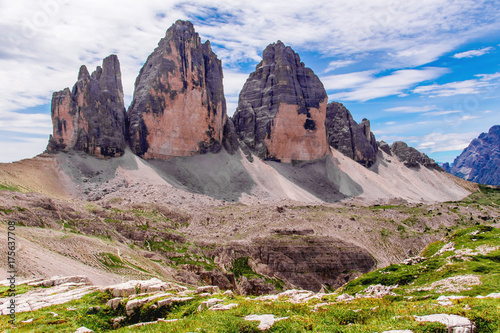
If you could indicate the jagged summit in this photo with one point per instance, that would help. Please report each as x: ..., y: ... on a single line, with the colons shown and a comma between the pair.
x: 91, y: 117
x: 350, y: 138
x: 480, y: 161
x: 179, y: 108
x: 282, y: 108
x: 411, y: 157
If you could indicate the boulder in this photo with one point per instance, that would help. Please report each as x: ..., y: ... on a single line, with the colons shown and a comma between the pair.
x: 208, y: 289
x: 266, y: 321
x: 454, y: 323
x: 114, y: 302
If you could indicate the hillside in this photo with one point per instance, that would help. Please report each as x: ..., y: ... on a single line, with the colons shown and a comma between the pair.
x: 453, y: 284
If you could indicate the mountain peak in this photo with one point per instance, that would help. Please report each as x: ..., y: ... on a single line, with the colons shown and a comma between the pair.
x: 480, y: 161
x: 282, y: 108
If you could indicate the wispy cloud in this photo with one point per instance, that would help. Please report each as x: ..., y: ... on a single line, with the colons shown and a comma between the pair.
x: 371, y: 87
x: 473, y: 53
x: 21, y: 148
x: 473, y: 86
x: 25, y: 123
x: 347, y: 81
x: 333, y: 65
x: 436, y: 142
x: 427, y: 110
x: 412, y: 109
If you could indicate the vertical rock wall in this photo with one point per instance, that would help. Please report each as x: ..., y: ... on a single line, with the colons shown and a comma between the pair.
x: 91, y: 117
x: 282, y: 108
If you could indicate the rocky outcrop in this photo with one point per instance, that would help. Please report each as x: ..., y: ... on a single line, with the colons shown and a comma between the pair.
x: 480, y: 161
x: 282, y: 108
x: 308, y: 263
x: 350, y: 138
x: 91, y: 117
x: 384, y: 146
x: 179, y: 108
x: 411, y: 157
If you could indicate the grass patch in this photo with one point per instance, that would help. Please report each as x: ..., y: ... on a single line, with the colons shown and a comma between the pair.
x: 7, y: 187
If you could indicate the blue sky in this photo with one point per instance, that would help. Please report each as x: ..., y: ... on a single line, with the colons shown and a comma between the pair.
x: 423, y: 71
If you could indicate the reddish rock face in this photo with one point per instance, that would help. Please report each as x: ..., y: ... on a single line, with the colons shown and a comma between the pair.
x: 91, y: 117
x: 179, y: 107
x: 291, y: 141
x: 282, y: 108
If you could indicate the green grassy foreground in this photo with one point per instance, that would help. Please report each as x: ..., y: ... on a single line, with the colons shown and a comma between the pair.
x: 360, y: 315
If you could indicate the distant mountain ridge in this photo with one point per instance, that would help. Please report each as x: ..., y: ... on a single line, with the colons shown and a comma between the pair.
x: 480, y: 161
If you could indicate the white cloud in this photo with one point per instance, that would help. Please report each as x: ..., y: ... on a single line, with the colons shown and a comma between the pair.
x: 473, y: 53
x: 473, y: 86
x: 233, y: 82
x: 38, y: 123
x: 23, y: 148
x: 436, y: 142
x: 412, y: 109
x: 468, y: 117
x: 441, y: 113
x: 346, y: 81
x: 333, y: 65
x: 426, y: 110
x: 371, y: 87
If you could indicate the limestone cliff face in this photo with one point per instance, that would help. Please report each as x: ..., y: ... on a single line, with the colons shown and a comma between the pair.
x: 179, y: 108
x: 308, y: 264
x: 91, y: 117
x: 350, y: 138
x: 282, y: 108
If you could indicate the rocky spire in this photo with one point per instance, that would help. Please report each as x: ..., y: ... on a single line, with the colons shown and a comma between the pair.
x: 91, y: 117
x: 350, y: 138
x: 281, y: 110
x: 179, y: 108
